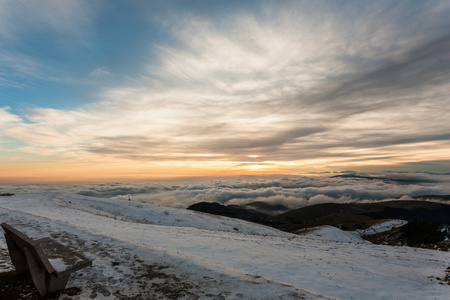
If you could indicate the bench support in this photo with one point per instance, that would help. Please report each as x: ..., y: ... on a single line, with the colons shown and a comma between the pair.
x: 17, y: 256
x: 45, y: 283
x: 37, y: 273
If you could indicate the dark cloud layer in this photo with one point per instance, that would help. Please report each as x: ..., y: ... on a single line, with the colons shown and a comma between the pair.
x: 421, y: 67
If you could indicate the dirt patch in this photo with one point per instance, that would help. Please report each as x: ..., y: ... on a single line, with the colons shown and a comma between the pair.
x: 447, y: 276
x: 162, y: 284
x: 444, y: 280
x: 13, y: 286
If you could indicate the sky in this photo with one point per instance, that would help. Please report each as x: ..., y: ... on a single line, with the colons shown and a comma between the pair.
x: 137, y: 90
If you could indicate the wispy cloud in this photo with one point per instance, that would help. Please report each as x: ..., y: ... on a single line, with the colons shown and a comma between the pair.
x: 33, y: 34
x: 99, y: 72
x: 67, y: 17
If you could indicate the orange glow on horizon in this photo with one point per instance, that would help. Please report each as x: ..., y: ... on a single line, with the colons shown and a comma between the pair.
x: 64, y: 171
x: 17, y: 168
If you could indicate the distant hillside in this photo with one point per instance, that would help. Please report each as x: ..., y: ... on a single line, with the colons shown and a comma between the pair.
x: 423, y: 234
x: 233, y: 211
x: 410, y: 211
x: 267, y: 208
x: 348, y: 216
x: 345, y: 216
x: 353, y: 216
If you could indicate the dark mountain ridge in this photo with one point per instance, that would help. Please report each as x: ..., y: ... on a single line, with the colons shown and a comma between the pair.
x: 352, y: 214
x: 424, y: 218
x: 233, y: 211
x: 347, y: 216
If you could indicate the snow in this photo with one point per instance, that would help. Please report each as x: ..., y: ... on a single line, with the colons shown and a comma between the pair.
x: 382, y: 227
x: 330, y: 233
x: 159, y: 252
x: 58, y: 264
x: 153, y: 214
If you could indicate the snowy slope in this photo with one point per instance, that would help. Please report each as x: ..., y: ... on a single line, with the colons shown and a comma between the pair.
x: 330, y: 233
x: 160, y: 252
x: 152, y: 214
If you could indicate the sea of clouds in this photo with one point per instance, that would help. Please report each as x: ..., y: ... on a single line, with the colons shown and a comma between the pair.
x: 291, y: 191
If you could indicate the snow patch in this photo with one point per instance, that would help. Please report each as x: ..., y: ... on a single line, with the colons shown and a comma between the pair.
x: 382, y: 227
x: 331, y: 233
x: 58, y: 264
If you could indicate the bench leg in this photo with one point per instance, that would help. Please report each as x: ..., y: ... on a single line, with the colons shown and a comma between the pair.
x: 45, y: 283
x: 57, y: 284
x: 17, y: 257
x: 38, y: 274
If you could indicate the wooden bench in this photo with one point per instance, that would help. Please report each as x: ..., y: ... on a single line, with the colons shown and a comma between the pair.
x: 49, y: 262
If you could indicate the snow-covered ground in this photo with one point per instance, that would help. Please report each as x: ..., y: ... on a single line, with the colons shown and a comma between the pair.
x: 330, y: 233
x: 166, y: 253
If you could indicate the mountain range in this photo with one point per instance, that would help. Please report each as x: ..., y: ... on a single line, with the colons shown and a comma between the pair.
x: 430, y: 216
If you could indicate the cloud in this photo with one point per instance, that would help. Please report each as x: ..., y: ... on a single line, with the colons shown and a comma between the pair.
x: 425, y: 66
x: 60, y: 16
x: 15, y: 66
x: 291, y: 191
x: 292, y: 84
x: 7, y: 118
x: 34, y: 35
x: 319, y: 199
